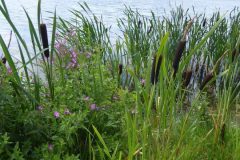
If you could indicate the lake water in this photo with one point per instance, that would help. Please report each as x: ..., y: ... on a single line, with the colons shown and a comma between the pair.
x: 109, y: 9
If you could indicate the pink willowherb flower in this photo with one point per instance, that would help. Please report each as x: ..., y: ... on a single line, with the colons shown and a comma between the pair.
x: 93, y: 107
x: 73, y: 33
x: 73, y: 63
x: 58, y: 45
x: 9, y: 70
x: 67, y: 112
x: 50, y: 147
x: 56, y: 114
x: 86, y: 98
x: 88, y: 55
x: 143, y: 81
x: 40, y: 108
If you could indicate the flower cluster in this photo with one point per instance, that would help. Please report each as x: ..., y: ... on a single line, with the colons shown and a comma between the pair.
x: 73, y: 63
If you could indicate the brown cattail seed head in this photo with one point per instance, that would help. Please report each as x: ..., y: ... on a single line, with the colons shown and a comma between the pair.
x: 197, y: 67
x: 120, y: 69
x: 178, y: 55
x: 44, y: 36
x: 155, y: 71
x: 222, y: 134
x: 158, y: 68
x: 234, y: 53
x: 187, y: 75
x: 4, y: 60
x: 149, y: 30
x: 204, y: 22
x: 139, y: 24
x: 208, y: 78
x: 202, y: 70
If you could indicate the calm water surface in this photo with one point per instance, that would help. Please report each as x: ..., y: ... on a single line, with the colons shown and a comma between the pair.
x: 109, y: 9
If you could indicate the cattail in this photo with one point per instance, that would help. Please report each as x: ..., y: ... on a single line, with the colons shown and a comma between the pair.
x: 178, y: 55
x: 234, y: 53
x: 139, y: 24
x: 208, y: 78
x: 187, y: 75
x: 204, y: 22
x: 158, y: 68
x: 181, y: 46
x: 149, y: 30
x: 155, y: 71
x: 197, y: 67
x: 4, y: 60
x: 120, y: 69
x: 222, y: 134
x: 44, y: 36
x: 202, y: 70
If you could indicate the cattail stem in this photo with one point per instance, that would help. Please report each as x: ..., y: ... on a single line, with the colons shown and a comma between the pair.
x: 44, y: 36
x: 186, y: 30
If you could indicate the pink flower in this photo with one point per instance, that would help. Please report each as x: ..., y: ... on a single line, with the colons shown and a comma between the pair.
x: 9, y: 70
x: 73, y: 33
x: 50, y: 147
x: 73, y: 63
x: 40, y: 108
x: 115, y: 98
x: 57, y: 46
x: 93, y: 107
x: 74, y: 54
x: 56, y: 115
x: 67, y: 112
x: 86, y: 98
x: 88, y: 55
x: 143, y: 81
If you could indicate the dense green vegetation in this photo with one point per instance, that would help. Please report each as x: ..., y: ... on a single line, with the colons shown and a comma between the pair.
x: 166, y: 88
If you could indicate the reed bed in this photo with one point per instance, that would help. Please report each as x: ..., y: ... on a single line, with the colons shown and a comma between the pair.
x: 165, y: 88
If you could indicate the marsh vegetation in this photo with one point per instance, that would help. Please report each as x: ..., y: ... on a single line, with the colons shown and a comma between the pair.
x: 166, y: 88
